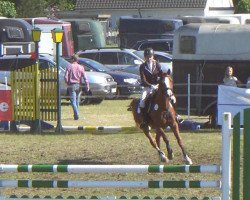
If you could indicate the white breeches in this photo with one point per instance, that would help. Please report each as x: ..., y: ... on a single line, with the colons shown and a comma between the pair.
x: 145, y: 93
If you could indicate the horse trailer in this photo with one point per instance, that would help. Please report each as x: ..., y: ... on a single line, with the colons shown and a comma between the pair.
x: 201, y: 52
x: 46, y: 44
x: 133, y: 29
x: 15, y: 36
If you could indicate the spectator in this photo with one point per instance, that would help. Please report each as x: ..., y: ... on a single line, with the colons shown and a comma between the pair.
x: 229, y: 78
x: 74, y: 76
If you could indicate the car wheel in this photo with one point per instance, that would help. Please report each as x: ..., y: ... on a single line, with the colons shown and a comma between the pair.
x: 96, y: 101
x: 84, y: 100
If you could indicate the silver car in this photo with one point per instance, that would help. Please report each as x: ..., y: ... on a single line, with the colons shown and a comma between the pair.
x: 101, y: 85
x: 113, y: 58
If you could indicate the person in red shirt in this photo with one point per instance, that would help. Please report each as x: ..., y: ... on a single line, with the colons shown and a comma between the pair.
x: 74, y: 77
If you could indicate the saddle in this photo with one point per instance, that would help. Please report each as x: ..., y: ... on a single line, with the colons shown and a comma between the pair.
x: 149, y: 106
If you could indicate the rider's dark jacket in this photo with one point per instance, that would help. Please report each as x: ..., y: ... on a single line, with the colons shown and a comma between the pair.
x: 149, y: 78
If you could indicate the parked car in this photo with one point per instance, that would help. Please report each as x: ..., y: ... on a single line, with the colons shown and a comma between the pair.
x: 165, y: 45
x: 101, y: 85
x: 113, y: 58
x: 127, y: 84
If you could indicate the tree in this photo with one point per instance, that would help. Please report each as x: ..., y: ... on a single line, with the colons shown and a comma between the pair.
x: 62, y: 4
x: 41, y: 8
x: 31, y: 8
x: 7, y: 9
x: 243, y: 6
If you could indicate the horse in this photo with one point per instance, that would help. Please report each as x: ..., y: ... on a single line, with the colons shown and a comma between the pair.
x: 161, y: 115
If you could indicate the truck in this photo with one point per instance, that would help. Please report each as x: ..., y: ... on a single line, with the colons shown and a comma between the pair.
x: 87, y: 33
x: 202, y: 51
x: 46, y: 44
x: 133, y: 29
x: 15, y: 36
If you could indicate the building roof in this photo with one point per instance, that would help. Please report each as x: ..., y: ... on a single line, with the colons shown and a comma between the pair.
x: 142, y: 4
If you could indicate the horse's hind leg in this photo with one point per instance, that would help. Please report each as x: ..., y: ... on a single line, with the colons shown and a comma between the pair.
x: 154, y: 143
x: 160, y: 133
x: 175, y: 129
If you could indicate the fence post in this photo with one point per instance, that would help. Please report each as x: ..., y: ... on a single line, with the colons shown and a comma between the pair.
x: 246, y: 155
x: 226, y: 156
x: 236, y: 158
x: 188, y: 97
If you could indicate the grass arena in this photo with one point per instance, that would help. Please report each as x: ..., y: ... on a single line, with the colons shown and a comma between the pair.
x: 122, y: 148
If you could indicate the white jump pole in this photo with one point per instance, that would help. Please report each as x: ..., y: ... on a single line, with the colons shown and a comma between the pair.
x: 226, y: 156
x: 188, y: 96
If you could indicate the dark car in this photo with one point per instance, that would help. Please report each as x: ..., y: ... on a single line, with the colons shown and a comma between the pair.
x: 127, y: 84
x: 165, y: 45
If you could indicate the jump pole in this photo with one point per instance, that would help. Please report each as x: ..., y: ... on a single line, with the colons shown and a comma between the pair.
x: 107, y: 184
x: 112, y: 168
x: 226, y: 156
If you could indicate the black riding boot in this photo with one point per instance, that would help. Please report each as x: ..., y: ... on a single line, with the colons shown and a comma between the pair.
x: 144, y: 124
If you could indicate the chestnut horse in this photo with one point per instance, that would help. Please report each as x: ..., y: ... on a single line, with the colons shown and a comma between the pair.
x: 161, y: 115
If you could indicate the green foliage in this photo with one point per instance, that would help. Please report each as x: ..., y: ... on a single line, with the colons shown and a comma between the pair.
x: 7, y: 9
x: 31, y: 8
x: 243, y: 6
x: 62, y: 4
x: 38, y: 8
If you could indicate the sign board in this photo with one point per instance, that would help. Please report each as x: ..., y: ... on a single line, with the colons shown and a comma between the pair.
x: 233, y: 100
x: 5, y: 105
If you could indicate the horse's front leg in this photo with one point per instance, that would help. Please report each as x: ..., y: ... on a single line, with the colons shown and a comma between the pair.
x: 160, y: 133
x: 175, y: 129
x: 154, y: 142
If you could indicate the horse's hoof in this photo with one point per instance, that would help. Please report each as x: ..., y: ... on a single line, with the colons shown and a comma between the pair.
x: 187, y: 160
x: 163, y: 158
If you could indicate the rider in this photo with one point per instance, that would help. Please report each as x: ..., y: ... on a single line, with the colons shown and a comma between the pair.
x: 150, y: 70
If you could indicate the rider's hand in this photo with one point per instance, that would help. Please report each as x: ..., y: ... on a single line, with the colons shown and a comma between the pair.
x: 173, y: 99
x: 154, y: 87
x: 169, y: 92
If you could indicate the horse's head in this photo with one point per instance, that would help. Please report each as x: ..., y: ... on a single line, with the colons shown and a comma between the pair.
x: 166, y: 84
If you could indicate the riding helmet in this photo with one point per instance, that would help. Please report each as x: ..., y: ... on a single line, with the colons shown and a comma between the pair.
x: 148, y: 52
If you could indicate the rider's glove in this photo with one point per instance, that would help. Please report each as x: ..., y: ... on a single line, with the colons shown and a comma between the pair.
x: 154, y: 87
x: 173, y: 99
x: 169, y: 92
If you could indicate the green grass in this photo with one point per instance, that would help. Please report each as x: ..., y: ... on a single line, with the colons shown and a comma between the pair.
x: 204, y: 147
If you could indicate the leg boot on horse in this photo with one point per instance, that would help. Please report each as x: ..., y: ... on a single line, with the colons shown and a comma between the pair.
x: 145, y: 120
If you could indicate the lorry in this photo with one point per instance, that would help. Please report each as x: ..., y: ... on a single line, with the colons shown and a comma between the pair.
x: 202, y: 51
x: 15, y: 36
x: 46, y: 44
x: 87, y: 33
x: 133, y: 29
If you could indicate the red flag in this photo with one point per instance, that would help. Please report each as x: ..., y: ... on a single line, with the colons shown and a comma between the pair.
x: 33, y: 55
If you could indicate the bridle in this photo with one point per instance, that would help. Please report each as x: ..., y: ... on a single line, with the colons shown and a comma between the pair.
x: 166, y: 86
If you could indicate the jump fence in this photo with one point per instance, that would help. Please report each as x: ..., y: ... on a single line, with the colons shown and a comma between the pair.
x: 224, y: 184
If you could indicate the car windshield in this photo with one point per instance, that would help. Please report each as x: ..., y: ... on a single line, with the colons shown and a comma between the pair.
x: 63, y: 63
x: 97, y: 66
x: 139, y: 54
